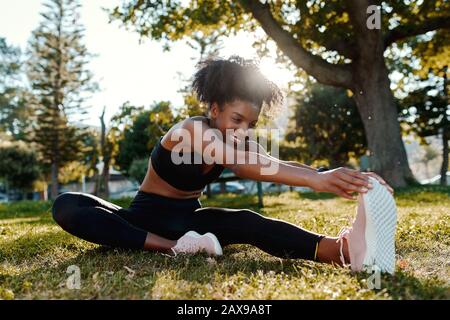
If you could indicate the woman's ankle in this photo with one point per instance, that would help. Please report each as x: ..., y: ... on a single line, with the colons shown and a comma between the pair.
x: 329, y: 251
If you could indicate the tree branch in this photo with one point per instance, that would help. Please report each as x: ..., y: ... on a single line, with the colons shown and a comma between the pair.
x: 324, y: 72
x: 340, y: 46
x: 405, y: 31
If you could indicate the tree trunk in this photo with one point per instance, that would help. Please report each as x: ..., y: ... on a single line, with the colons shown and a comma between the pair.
x: 104, y: 185
x: 444, y: 167
x: 45, y: 192
x: 366, y: 76
x: 54, y: 179
x: 445, y: 136
x: 102, y: 182
x: 376, y: 105
x: 427, y: 169
x: 97, y: 183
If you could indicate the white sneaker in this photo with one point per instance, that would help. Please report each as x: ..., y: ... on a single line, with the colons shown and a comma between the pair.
x: 381, y: 222
x: 371, y: 239
x: 192, y: 242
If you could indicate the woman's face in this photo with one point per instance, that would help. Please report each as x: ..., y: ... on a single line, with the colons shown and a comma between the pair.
x: 239, y: 116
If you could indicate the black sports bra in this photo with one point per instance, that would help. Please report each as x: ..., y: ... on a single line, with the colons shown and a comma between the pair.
x: 187, y: 177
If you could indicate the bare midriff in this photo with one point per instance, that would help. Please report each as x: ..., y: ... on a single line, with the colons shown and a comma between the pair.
x: 155, y: 184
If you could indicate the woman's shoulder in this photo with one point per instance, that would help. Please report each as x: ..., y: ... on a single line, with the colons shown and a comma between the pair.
x: 190, y: 123
x: 187, y: 124
x: 198, y: 118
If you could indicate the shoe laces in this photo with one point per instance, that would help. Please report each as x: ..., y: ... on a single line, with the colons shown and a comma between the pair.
x: 343, y: 234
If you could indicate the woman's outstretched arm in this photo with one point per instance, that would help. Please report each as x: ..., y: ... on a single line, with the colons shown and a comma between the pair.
x: 259, y: 167
x: 255, y: 146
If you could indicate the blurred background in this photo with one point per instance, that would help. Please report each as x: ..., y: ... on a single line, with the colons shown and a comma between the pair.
x: 88, y: 87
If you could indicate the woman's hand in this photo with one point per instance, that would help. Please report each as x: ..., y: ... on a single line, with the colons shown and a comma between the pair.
x: 342, y: 181
x: 380, y: 180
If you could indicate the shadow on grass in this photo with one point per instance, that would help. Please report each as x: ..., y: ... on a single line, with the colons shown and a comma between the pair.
x: 405, y: 286
x: 148, y: 265
x: 35, y: 246
x: 317, y: 195
x: 423, y: 188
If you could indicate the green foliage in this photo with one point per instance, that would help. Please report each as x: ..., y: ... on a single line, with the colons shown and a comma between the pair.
x: 90, y: 152
x: 426, y: 110
x: 57, y: 72
x: 326, y: 39
x: 142, y: 132
x: 326, y: 126
x: 87, y: 157
x: 19, y: 165
x: 170, y: 20
x: 15, y: 114
x: 138, y: 169
x: 323, y: 27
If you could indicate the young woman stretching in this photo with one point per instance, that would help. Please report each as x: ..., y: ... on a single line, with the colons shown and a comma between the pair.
x: 167, y: 205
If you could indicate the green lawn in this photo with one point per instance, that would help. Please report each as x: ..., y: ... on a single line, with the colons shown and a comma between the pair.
x: 35, y: 254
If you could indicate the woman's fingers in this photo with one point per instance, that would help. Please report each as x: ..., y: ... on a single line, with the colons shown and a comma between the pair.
x: 353, y: 182
x: 342, y: 193
x: 344, y: 181
x: 374, y: 175
x: 359, y: 175
x: 348, y: 187
x: 381, y: 180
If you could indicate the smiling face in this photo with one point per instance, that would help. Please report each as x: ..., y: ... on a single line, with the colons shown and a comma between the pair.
x: 238, y: 116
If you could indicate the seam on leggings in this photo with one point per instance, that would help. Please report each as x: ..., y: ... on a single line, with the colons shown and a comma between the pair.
x: 317, y: 246
x: 315, y: 252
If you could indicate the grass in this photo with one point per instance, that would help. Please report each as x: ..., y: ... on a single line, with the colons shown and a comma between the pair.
x: 35, y: 254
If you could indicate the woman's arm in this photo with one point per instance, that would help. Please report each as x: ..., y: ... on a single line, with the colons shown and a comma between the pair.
x: 259, y: 167
x: 298, y: 164
x: 255, y: 146
x: 341, y: 181
x: 260, y: 149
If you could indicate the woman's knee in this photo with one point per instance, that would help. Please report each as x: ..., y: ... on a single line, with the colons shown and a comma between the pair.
x: 63, y: 206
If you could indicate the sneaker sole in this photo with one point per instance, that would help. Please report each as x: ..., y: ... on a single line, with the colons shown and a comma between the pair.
x: 381, y: 222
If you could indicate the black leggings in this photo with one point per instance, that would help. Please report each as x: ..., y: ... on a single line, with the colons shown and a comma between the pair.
x: 96, y: 220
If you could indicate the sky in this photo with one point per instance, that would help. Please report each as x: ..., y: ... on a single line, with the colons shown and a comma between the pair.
x: 125, y: 69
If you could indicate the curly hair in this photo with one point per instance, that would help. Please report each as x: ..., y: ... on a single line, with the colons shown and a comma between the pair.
x: 226, y: 80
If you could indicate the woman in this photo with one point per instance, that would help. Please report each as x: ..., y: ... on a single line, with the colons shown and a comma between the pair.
x: 167, y: 205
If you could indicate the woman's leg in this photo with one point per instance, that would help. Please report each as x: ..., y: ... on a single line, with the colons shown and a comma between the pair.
x: 98, y: 221
x: 276, y: 237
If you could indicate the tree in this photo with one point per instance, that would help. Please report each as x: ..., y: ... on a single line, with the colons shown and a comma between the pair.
x: 15, y: 115
x: 108, y: 150
x: 327, y: 126
x: 86, y: 164
x: 429, y: 154
x: 59, y: 80
x: 339, y: 43
x: 138, y: 169
x: 426, y: 111
x: 19, y: 165
x: 207, y: 46
x: 141, y: 135
x: 423, y: 88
